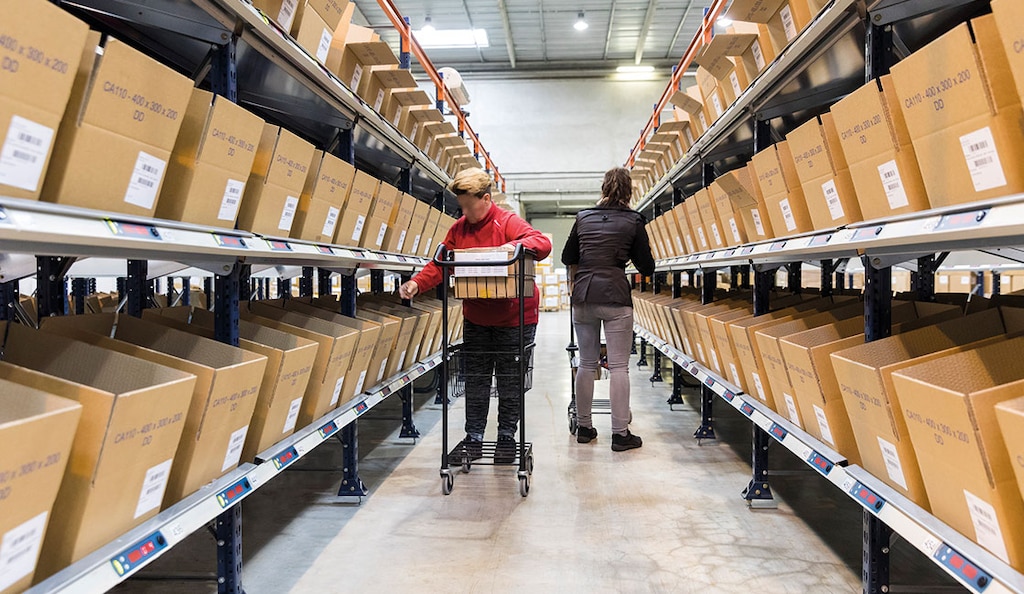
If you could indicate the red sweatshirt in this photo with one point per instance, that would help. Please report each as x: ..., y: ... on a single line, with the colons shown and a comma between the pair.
x: 496, y: 229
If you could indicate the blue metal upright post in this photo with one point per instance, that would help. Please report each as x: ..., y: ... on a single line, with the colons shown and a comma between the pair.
x: 186, y: 290
x: 351, y: 484
x: 9, y: 294
x: 709, y: 282
x: 324, y: 288
x: 306, y: 282
x: 656, y: 288
x: 409, y: 429
x: 759, y: 492
x: 138, y: 287
x: 677, y: 371
x: 50, y: 298
x: 79, y: 291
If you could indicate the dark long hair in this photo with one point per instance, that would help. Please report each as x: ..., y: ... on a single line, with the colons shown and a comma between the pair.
x: 617, y: 188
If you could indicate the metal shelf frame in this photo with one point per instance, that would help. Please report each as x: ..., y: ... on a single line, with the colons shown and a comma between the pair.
x: 935, y: 539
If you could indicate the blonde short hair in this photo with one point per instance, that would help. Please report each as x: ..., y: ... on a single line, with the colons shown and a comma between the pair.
x: 473, y: 181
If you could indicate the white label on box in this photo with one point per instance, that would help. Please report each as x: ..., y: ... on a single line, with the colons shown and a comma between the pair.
x: 398, y: 118
x: 146, y: 178
x: 689, y: 135
x: 293, y: 415
x: 234, y: 451
x: 357, y: 76
x: 759, y: 386
x: 714, y: 231
x: 232, y: 198
x: 380, y: 100
x: 336, y: 395
x: 415, y: 129
x: 943, y: 280
x: 430, y: 240
x: 703, y: 238
x: 714, y: 361
x: 964, y: 280
x: 717, y: 103
x: 794, y: 416
x: 787, y: 214
x: 401, y: 360
x: 735, y: 80
x: 735, y: 230
x: 889, y: 172
x: 331, y: 222
x: 287, y: 14
x: 358, y: 231
x: 291, y: 204
x: 689, y: 349
x: 20, y: 550
x: 380, y: 234
x: 415, y: 245
x: 826, y: 431
x: 153, y: 487
x: 787, y: 23
x: 325, y: 46
x: 758, y: 56
x: 703, y: 120
x: 758, y: 226
x: 835, y: 207
x: 700, y: 350
x: 986, y: 526
x: 689, y: 244
x: 362, y: 380
x: 892, y: 462
x: 401, y: 239
x: 380, y: 372
x: 479, y: 271
x: 24, y: 153
x: 735, y: 374
x: 679, y: 244
x: 983, y: 160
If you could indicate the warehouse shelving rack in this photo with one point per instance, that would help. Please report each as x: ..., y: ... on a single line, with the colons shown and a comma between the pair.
x: 849, y: 42
x: 247, y: 59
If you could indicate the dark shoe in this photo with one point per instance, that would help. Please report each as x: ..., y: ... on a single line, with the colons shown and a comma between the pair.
x: 585, y: 434
x: 472, y: 449
x: 505, y: 450
x: 621, y: 443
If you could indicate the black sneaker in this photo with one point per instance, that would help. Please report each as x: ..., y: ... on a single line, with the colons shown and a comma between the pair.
x: 585, y: 434
x: 505, y: 450
x: 621, y: 443
x: 472, y: 449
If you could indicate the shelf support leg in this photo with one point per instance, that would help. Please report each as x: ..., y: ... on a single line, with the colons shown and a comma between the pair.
x: 709, y: 282
x: 284, y: 288
x: 677, y: 371
x: 9, y: 295
x: 351, y: 484
x: 643, y: 353
x: 228, y: 532
x: 306, y: 282
x: 208, y: 291
x: 186, y: 290
x: 377, y: 282
x: 758, y: 492
x: 875, y: 568
x: 79, y: 290
x: 324, y: 288
x: 138, y: 287
x: 409, y: 429
x: 656, y: 376
x: 50, y: 273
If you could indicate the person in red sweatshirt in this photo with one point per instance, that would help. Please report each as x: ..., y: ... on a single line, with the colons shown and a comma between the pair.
x: 491, y: 331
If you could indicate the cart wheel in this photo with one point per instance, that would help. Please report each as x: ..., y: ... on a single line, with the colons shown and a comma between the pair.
x: 529, y: 464
x: 573, y: 426
x: 447, y: 482
x: 466, y: 467
x: 524, y: 485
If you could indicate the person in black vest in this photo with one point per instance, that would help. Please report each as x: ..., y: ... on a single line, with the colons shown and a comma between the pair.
x: 602, y: 241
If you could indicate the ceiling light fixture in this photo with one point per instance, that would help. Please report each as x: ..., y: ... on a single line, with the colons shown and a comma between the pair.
x: 581, y: 23
x: 451, y: 38
x: 724, y: 22
x: 634, y: 69
x: 427, y: 26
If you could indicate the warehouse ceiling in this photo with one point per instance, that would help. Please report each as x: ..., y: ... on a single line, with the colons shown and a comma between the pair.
x: 539, y: 35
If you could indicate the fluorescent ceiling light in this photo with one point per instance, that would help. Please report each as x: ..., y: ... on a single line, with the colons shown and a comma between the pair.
x: 581, y: 23
x: 427, y: 26
x: 724, y: 22
x: 451, y: 38
x: 634, y: 69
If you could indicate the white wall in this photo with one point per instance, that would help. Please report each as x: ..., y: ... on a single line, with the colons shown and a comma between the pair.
x: 559, y: 228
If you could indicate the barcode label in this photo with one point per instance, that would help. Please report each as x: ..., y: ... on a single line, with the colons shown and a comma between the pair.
x: 986, y: 526
x: 234, y: 451
x: 835, y: 207
x: 758, y: 226
x: 146, y: 178
x: 703, y: 120
x: 398, y: 118
x: 153, y: 488
x: 787, y: 214
x: 362, y: 380
x: 735, y: 230
x: 893, y: 466
x: 714, y: 361
x: 20, y: 550
x: 324, y: 48
x: 357, y: 76
x: 380, y: 234
x: 415, y: 129
x: 689, y: 349
x: 787, y: 23
x: 415, y: 245
x: 700, y: 352
x: 758, y: 56
x: 426, y: 248
x: 889, y: 172
x: 232, y: 199
x: 293, y: 415
x: 679, y: 244
x: 401, y: 360
x: 287, y: 14
x: 794, y: 416
x: 358, y: 232
x: 380, y: 100
x: 718, y: 236
x: 331, y: 222
x: 380, y: 372
x: 758, y: 386
x: 689, y: 244
x: 983, y: 160
x: 718, y: 105
x: 401, y: 240
x: 735, y: 80
x: 826, y: 431
x: 702, y: 237
x: 689, y: 136
x: 291, y: 204
x: 24, y: 154
x: 735, y: 374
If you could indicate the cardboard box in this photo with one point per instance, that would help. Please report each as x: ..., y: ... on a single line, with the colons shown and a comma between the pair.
x: 733, y: 228
x: 211, y: 162
x: 736, y: 209
x: 428, y: 247
x: 356, y: 60
x: 278, y: 176
x: 490, y: 282
x: 339, y: 370
x: 131, y: 422
x: 713, y: 97
x: 723, y: 58
x: 1009, y: 17
x: 755, y: 58
x: 877, y: 145
x: 384, y: 202
x: 393, y: 345
x: 36, y: 431
x: 716, y: 232
x: 117, y: 133
x: 290, y: 361
x: 373, y: 236
x: 963, y: 114
x: 783, y: 195
x: 415, y: 119
x: 949, y: 407
x: 419, y: 220
x: 397, y: 235
x: 33, y: 95
x: 313, y: 34
x: 822, y: 169
x: 1010, y: 415
x: 357, y: 209
x: 681, y: 236
x: 693, y: 218
x: 865, y: 378
x: 382, y: 81
x: 226, y: 390
x: 323, y: 197
x: 414, y: 324
x: 399, y: 101
x: 786, y: 24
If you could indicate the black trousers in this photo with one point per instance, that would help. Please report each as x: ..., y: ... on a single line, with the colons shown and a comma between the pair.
x: 490, y: 351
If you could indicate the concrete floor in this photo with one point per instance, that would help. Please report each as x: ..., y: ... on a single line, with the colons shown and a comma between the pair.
x: 665, y: 518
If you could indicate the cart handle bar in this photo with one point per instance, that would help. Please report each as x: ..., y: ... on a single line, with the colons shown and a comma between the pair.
x: 442, y: 252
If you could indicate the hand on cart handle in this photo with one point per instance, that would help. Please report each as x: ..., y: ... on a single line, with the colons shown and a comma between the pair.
x: 409, y: 290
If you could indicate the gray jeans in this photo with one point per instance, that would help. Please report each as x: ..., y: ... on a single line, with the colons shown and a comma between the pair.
x: 618, y: 330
